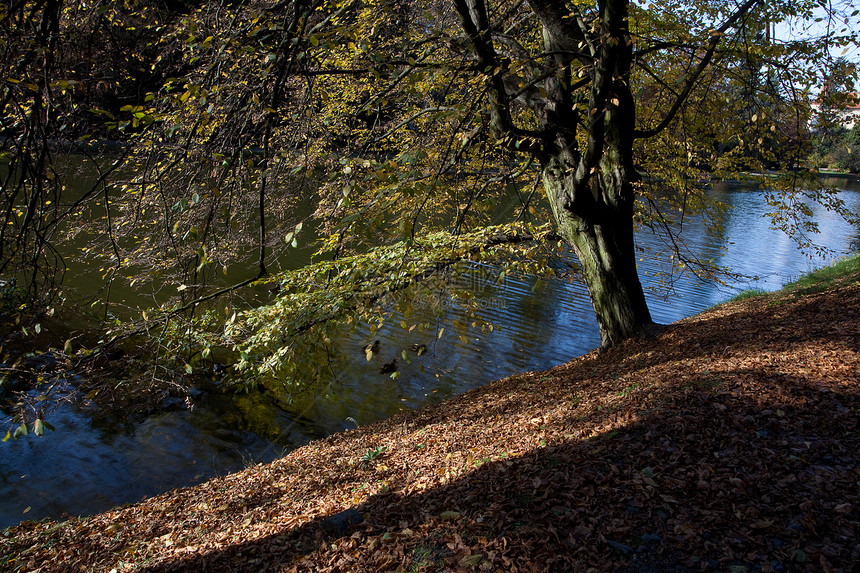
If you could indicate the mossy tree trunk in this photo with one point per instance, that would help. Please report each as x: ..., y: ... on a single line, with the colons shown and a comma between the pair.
x: 591, y: 188
x: 602, y: 238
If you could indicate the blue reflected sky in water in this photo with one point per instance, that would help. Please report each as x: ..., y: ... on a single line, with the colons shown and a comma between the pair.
x: 540, y: 324
x: 756, y: 250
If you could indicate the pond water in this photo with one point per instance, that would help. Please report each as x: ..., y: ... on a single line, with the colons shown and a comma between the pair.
x: 86, y: 466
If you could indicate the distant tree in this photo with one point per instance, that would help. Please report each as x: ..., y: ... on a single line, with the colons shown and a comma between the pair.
x: 834, y: 124
x: 839, y: 150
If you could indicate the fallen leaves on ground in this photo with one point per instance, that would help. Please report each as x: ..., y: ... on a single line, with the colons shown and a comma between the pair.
x: 727, y: 443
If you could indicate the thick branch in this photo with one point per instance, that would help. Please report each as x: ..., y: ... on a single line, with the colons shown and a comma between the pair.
x: 555, y: 16
x: 473, y: 17
x: 476, y: 25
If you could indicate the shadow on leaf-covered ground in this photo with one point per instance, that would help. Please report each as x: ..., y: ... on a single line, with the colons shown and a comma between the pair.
x: 727, y: 443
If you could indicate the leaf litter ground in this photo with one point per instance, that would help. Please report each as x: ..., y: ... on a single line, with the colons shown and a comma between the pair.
x: 727, y: 443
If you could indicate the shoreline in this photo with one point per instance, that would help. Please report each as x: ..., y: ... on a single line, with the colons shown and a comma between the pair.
x: 730, y: 441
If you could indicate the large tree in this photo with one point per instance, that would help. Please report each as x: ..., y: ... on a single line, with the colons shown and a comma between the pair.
x: 583, y: 136
x: 434, y: 113
x: 569, y: 100
x: 412, y: 118
x: 596, y: 94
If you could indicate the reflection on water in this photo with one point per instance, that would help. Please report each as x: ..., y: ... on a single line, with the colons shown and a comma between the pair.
x: 84, y: 467
x: 537, y: 324
x: 756, y: 250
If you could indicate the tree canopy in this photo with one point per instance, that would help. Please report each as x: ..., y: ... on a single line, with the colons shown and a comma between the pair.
x: 384, y: 133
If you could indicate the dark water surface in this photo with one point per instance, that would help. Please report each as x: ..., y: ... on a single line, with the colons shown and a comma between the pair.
x: 85, y: 466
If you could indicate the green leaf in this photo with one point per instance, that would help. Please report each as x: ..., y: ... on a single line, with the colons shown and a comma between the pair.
x: 67, y: 347
x: 20, y: 431
x: 188, y: 368
x: 39, y: 428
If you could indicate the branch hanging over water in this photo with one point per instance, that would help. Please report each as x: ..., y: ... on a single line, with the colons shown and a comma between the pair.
x: 356, y: 287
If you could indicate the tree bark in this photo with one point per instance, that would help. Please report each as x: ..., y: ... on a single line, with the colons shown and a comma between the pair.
x: 591, y: 187
x: 592, y: 190
x: 605, y: 247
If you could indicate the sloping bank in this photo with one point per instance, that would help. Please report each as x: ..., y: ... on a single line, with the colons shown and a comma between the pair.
x: 728, y: 443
